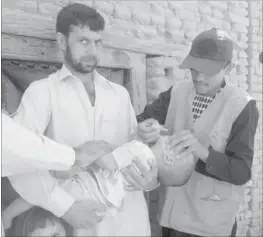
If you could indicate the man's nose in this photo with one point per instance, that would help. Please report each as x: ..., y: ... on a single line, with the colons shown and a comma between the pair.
x: 92, y: 48
x: 199, y: 77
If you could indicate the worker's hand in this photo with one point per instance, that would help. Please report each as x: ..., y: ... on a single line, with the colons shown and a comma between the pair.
x: 149, y: 130
x: 186, y: 143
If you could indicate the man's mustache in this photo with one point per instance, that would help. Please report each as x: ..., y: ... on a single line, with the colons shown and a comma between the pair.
x: 89, y: 58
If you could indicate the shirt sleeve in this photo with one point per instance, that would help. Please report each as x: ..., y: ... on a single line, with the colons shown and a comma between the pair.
x: 234, y: 166
x: 42, y: 190
x: 23, y: 151
x: 39, y: 188
x: 158, y: 109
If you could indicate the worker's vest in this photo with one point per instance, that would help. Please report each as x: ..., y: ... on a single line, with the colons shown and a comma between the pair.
x: 203, y: 206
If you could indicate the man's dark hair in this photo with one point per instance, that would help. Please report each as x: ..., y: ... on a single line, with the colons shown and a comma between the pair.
x: 79, y: 15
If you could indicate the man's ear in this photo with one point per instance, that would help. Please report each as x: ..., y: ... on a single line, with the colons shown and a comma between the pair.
x: 229, y: 67
x: 61, y: 40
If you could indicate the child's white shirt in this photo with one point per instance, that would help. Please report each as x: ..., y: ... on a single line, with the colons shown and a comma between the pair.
x: 112, y: 183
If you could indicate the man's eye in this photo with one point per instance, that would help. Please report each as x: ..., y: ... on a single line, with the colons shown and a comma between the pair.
x: 84, y: 41
x: 98, y: 42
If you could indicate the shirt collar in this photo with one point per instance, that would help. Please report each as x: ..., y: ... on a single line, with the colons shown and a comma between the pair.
x: 65, y: 73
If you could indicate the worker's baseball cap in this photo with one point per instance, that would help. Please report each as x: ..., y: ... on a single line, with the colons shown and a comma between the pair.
x: 210, y: 52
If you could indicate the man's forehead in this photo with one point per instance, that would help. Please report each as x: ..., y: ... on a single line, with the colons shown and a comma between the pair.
x: 84, y: 31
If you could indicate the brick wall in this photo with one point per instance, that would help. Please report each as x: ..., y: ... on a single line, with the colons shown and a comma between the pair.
x: 255, y: 88
x: 178, y: 22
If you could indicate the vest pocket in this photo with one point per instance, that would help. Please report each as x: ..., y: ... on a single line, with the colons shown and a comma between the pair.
x: 216, y: 202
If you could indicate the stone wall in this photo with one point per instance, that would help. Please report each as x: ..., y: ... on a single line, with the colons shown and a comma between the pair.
x: 178, y: 22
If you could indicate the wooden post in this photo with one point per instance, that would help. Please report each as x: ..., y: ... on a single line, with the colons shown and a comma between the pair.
x: 93, y: 4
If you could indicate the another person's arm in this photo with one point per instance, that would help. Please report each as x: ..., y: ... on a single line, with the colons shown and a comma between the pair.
x: 23, y: 151
x: 153, y: 113
x: 157, y: 109
x: 39, y: 188
x: 234, y: 166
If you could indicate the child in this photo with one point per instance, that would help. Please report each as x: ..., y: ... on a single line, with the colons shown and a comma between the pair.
x: 103, y: 180
x: 38, y: 222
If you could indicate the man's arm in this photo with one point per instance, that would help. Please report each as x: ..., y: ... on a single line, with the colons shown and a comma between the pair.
x: 235, y: 165
x: 158, y: 109
x: 23, y: 151
x: 39, y: 188
x: 145, y: 180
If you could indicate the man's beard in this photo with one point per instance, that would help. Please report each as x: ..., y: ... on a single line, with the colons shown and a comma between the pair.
x: 79, y: 66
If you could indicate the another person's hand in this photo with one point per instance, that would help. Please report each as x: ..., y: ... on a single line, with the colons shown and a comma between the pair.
x: 65, y: 174
x: 91, y: 151
x: 84, y: 214
x: 149, y: 130
x: 185, y: 143
x: 139, y: 177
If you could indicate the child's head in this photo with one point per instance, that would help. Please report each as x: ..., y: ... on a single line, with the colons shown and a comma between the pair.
x: 39, y: 222
x: 173, y: 171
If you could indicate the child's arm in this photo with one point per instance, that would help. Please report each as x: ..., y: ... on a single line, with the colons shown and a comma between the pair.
x: 15, y: 209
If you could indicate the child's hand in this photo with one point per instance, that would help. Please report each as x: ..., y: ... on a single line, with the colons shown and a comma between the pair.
x: 107, y: 162
x: 7, y: 219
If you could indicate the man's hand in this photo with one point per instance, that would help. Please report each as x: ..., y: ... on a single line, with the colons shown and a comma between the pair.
x: 65, y: 174
x: 186, y: 143
x: 84, y: 214
x: 91, y: 151
x: 149, y: 130
x: 107, y: 162
x: 139, y: 177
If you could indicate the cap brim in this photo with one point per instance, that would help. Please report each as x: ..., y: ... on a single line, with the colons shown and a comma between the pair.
x: 205, y: 66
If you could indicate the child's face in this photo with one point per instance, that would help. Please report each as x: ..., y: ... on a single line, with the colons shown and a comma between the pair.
x: 51, y: 230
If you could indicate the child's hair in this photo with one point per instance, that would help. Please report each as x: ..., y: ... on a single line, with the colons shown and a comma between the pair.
x: 35, y: 218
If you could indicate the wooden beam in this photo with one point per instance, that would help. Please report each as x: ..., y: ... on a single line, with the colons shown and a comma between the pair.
x: 136, y: 83
x: 41, y: 26
x: 34, y: 49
